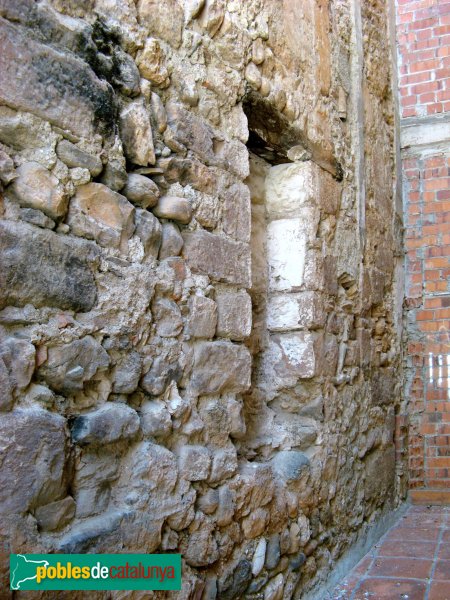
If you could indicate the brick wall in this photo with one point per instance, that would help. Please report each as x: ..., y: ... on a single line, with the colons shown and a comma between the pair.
x: 423, y: 35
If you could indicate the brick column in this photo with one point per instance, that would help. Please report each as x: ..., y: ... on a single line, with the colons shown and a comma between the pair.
x: 423, y: 36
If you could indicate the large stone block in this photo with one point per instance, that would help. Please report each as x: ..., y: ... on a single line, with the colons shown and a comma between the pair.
x: 68, y: 366
x: 220, y: 367
x: 286, y: 251
x: 292, y: 190
x: 99, y: 214
x: 18, y: 356
x: 237, y: 213
x: 112, y: 422
x: 55, y: 86
x: 202, y: 317
x: 33, y: 445
x: 287, y: 312
x: 218, y: 257
x: 136, y: 134
x: 41, y: 268
x: 234, y: 315
x: 35, y: 187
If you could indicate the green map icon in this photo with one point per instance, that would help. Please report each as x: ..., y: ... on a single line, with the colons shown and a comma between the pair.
x: 23, y: 569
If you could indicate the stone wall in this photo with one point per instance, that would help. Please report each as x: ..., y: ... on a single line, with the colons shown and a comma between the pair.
x: 200, y: 300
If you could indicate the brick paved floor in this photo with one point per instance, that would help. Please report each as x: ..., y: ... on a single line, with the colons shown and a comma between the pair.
x: 410, y: 562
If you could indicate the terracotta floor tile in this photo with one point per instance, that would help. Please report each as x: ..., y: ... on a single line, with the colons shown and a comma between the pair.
x: 422, y: 521
x: 411, y: 549
x: 363, y: 565
x: 388, y: 589
x: 440, y: 590
x: 417, y: 568
x: 446, y: 536
x: 405, y: 534
x: 442, y: 571
x: 444, y: 551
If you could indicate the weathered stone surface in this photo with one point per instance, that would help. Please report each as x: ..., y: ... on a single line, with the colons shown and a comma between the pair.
x: 259, y: 557
x: 234, y: 315
x: 168, y: 317
x: 39, y: 267
x: 100, y: 214
x: 273, y: 554
x: 236, y: 212
x: 74, y: 156
x: 290, y: 464
x: 55, y: 515
x: 288, y: 312
x: 69, y: 366
x: 6, y: 388
x: 33, y: 459
x: 218, y: 257
x: 202, y: 317
x: 241, y: 578
x: 274, y: 589
x: 162, y: 371
x: 155, y: 16
x: 286, y: 254
x: 18, y: 357
x: 7, y: 171
x: 151, y: 63
x: 35, y: 187
x: 36, y: 217
x: 110, y: 423
x: 114, y: 175
x: 220, y: 367
x: 149, y: 230
x: 141, y: 190
x: 155, y: 419
x: 127, y: 373
x: 34, y: 78
x: 136, y: 134
x: 171, y: 207
x: 172, y: 242
x: 255, y: 524
x: 194, y: 462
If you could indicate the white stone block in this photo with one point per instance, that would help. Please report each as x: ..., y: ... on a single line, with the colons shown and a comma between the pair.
x: 286, y: 250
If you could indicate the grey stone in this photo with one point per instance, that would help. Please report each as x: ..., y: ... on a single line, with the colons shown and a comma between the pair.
x: 33, y: 77
x: 73, y: 156
x: 24, y: 131
x: 241, y: 578
x: 194, y: 462
x: 274, y: 589
x: 136, y: 134
x: 172, y: 207
x: 236, y: 212
x: 273, y: 554
x: 110, y: 423
x: 7, y: 170
x: 39, y: 267
x: 225, y: 511
x: 18, y: 356
x: 159, y: 375
x: 218, y: 257
x: 159, y: 112
x: 6, y: 388
x: 201, y: 547
x: 169, y: 322
x: 220, y: 367
x: 40, y: 394
x: 234, y: 315
x: 190, y: 131
x: 257, y: 584
x: 35, y: 187
x: 297, y: 560
x: 99, y: 214
x: 202, y: 317
x: 69, y: 366
x: 114, y: 175
x: 172, y: 242
x: 149, y: 231
x: 125, y: 74
x: 141, y: 190
x: 127, y: 373
x: 209, y: 502
x: 55, y: 515
x: 290, y: 464
x: 33, y: 459
x: 91, y: 532
x: 155, y: 419
x: 36, y: 217
x: 94, y: 473
x: 224, y: 464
